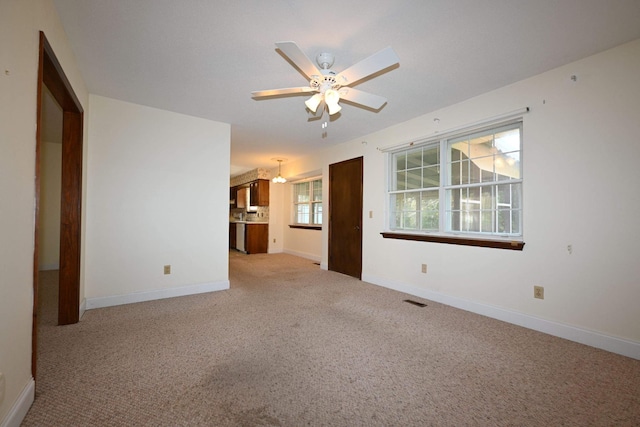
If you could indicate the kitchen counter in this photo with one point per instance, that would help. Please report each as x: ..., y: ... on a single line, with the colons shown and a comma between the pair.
x: 233, y: 221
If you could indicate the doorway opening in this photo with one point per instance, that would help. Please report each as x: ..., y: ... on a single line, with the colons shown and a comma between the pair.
x: 51, y: 75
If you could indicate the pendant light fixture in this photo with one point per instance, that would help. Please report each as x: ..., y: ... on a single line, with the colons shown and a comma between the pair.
x: 279, y: 179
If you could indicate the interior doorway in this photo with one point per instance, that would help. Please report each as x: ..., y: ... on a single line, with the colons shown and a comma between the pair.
x: 345, y: 217
x: 51, y: 75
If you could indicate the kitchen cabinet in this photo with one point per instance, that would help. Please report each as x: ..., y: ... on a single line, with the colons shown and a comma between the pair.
x: 259, y: 190
x: 233, y: 198
x: 249, y: 237
x: 256, y: 238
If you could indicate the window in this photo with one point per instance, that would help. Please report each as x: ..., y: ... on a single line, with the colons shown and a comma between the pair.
x: 469, y: 184
x: 307, y: 202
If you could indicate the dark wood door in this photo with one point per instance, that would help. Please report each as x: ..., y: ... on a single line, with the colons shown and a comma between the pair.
x: 345, y: 217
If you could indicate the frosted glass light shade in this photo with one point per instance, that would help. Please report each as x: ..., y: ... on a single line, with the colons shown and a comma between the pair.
x: 331, y: 98
x: 313, y: 102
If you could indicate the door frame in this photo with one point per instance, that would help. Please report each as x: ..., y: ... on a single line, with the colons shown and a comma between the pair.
x: 51, y: 74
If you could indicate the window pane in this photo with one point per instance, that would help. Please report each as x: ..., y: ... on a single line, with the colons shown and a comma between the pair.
x: 401, y: 161
x: 455, y: 173
x: 480, y: 146
x: 414, y: 159
x: 410, y: 220
x: 317, y: 213
x: 302, y: 214
x: 516, y: 221
x: 474, y: 171
x: 317, y: 190
x: 486, y: 217
x: 487, y: 176
x: 401, y: 178
x: 395, y: 220
x: 430, y: 210
x: 301, y: 192
x: 431, y: 156
x: 508, y: 141
x: 431, y: 177
x: 414, y: 179
x: 464, y: 172
x: 410, y: 202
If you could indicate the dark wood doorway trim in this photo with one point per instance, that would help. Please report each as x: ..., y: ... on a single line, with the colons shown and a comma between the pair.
x: 50, y: 73
x: 345, y: 217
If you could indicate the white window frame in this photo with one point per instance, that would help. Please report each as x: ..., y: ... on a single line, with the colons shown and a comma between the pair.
x: 312, y: 220
x: 445, y: 186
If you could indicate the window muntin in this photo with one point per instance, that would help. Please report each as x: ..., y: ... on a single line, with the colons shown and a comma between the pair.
x: 307, y: 202
x: 479, y: 191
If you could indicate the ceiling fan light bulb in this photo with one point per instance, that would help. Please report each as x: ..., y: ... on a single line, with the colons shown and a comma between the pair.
x: 313, y: 102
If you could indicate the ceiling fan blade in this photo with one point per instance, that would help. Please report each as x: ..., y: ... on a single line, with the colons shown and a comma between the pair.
x: 363, y: 98
x: 297, y: 56
x: 371, y: 65
x: 284, y: 91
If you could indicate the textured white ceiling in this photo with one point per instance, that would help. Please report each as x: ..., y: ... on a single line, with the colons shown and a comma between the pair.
x: 204, y: 57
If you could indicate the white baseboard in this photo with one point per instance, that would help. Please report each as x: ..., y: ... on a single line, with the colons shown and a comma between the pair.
x: 312, y: 257
x: 47, y: 267
x: 583, y: 336
x: 21, y: 407
x: 101, y: 302
x: 83, y: 307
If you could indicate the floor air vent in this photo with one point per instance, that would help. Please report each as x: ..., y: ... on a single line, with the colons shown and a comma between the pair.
x: 419, y: 304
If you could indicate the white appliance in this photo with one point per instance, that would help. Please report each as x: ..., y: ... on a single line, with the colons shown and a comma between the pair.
x: 240, y: 230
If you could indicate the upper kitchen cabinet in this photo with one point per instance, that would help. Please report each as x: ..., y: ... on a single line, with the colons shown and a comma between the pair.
x: 233, y: 197
x: 259, y: 192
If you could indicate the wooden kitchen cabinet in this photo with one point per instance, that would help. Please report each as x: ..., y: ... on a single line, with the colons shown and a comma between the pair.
x: 259, y: 192
x: 233, y: 198
x: 256, y: 238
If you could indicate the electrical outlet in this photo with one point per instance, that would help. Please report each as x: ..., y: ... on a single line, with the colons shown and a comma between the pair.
x: 424, y: 268
x: 538, y: 292
x: 370, y: 214
x: 274, y: 240
x: 167, y: 269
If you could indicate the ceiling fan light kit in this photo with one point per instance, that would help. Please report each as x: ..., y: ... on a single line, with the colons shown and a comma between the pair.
x: 329, y: 86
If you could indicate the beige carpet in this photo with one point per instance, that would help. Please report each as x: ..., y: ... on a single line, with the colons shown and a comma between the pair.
x: 292, y: 345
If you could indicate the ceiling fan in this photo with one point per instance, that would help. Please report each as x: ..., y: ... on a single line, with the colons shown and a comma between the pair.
x: 330, y: 87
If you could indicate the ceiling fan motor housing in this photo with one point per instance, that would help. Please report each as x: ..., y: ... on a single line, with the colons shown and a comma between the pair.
x: 325, y: 60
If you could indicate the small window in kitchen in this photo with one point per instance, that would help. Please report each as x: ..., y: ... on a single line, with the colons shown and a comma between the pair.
x: 307, y: 202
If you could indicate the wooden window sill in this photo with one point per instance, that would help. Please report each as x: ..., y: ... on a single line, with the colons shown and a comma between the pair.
x: 306, y: 227
x: 484, y: 243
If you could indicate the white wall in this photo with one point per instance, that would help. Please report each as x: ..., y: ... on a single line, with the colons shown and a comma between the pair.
x: 154, y: 198
x: 20, y: 21
x: 581, y: 147
x: 49, y: 215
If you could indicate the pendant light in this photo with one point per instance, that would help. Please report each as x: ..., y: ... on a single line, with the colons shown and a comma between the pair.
x: 279, y: 179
